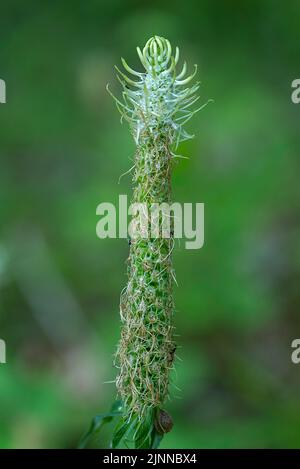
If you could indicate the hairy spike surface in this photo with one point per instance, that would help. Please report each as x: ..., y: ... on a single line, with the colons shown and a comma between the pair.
x: 155, y: 108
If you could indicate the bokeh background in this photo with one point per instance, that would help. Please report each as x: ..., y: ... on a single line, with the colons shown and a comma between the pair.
x: 62, y: 151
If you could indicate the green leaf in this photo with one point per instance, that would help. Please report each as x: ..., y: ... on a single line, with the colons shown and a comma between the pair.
x: 120, y: 431
x: 143, y: 434
x: 156, y: 439
x: 136, y: 433
x: 98, y: 422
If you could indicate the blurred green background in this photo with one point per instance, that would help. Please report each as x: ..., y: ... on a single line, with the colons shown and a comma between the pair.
x: 62, y: 151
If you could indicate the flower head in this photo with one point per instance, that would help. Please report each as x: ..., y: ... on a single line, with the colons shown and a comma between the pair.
x: 157, y: 100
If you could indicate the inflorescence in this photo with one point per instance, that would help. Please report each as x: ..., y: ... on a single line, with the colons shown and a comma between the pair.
x: 156, y: 103
x: 158, y: 98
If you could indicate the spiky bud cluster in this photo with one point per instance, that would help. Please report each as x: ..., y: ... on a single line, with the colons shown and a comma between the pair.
x: 156, y: 104
x: 158, y: 100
